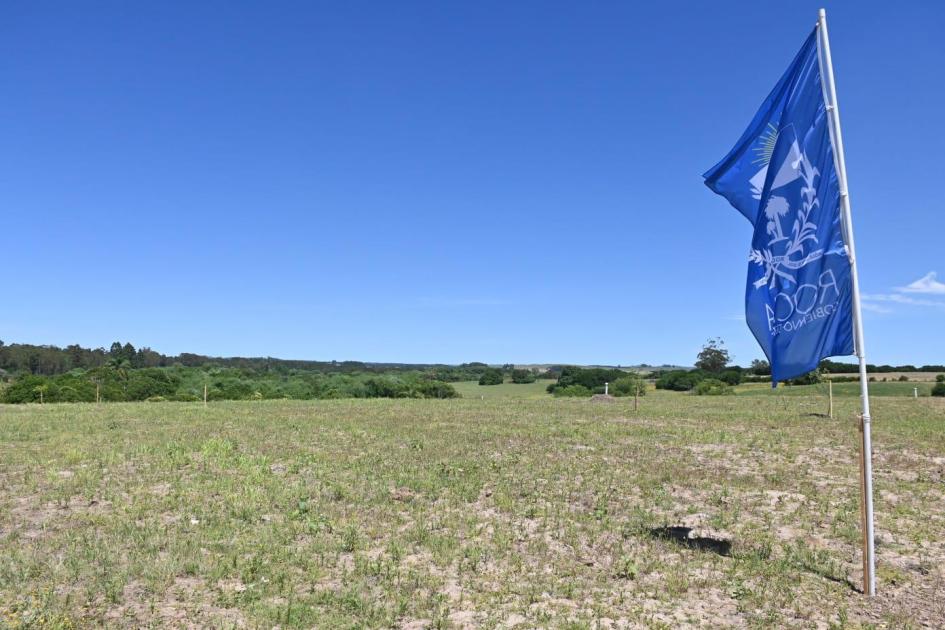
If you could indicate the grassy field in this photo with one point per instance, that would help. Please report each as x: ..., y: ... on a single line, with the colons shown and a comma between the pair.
x: 525, y: 391
x: 468, y: 513
x: 536, y: 390
x: 839, y: 389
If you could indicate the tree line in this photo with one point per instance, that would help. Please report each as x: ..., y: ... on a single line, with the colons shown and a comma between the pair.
x: 48, y: 360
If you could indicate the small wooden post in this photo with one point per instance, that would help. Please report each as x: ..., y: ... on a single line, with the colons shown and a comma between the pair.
x: 204, y: 394
x: 98, y: 396
x: 830, y: 396
x: 636, y: 398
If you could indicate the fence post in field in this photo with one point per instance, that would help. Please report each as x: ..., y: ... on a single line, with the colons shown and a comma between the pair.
x: 204, y: 394
x: 830, y: 397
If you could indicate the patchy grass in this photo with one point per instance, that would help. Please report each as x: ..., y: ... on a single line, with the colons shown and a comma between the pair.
x: 523, y: 391
x: 737, y: 510
x: 880, y: 388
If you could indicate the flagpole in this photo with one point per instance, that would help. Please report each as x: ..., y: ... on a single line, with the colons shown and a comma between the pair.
x: 866, y: 464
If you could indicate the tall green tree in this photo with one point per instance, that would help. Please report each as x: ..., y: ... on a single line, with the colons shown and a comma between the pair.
x: 713, y: 357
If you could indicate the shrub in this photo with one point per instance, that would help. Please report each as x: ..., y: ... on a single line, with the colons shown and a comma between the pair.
x: 940, y: 378
x: 903, y: 378
x: 591, y: 378
x: 523, y: 376
x: 25, y: 389
x: 811, y: 378
x: 731, y: 377
x: 572, y: 391
x: 628, y: 386
x: 435, y: 389
x: 939, y: 389
x: 491, y: 376
x: 680, y: 380
x: 380, y: 387
x: 712, y: 387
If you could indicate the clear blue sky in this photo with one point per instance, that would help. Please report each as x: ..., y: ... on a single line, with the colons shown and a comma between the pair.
x: 419, y: 181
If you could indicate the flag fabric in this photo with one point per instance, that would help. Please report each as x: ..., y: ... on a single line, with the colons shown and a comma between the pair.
x: 781, y: 175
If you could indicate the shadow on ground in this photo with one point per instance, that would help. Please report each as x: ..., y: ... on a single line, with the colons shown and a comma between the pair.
x: 681, y: 536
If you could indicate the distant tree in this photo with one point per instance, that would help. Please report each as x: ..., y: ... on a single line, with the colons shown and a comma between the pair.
x: 76, y: 355
x: 523, y: 376
x: 129, y: 354
x: 713, y: 357
x: 940, y: 378
x: 491, y: 376
x: 760, y: 367
x: 939, y: 389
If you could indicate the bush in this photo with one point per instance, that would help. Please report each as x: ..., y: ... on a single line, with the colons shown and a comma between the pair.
x: 903, y: 378
x: 26, y: 389
x: 491, y: 376
x: 381, y: 387
x: 591, y: 378
x: 712, y: 387
x: 628, y: 385
x: 435, y: 389
x: 731, y: 377
x: 572, y: 391
x: 523, y: 376
x: 811, y: 378
x: 939, y: 389
x: 680, y: 380
x: 940, y: 378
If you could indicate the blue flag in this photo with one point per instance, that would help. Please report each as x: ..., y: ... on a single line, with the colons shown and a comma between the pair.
x: 782, y: 176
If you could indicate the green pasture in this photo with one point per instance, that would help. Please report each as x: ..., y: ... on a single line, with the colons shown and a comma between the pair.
x: 878, y: 388
x: 516, y: 513
x: 524, y: 391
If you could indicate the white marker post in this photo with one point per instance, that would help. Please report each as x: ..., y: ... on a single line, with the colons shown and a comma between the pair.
x: 866, y: 454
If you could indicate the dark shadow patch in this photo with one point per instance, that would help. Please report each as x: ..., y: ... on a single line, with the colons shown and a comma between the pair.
x: 817, y: 415
x: 681, y: 536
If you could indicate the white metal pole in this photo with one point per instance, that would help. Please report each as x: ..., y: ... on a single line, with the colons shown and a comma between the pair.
x: 830, y: 97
